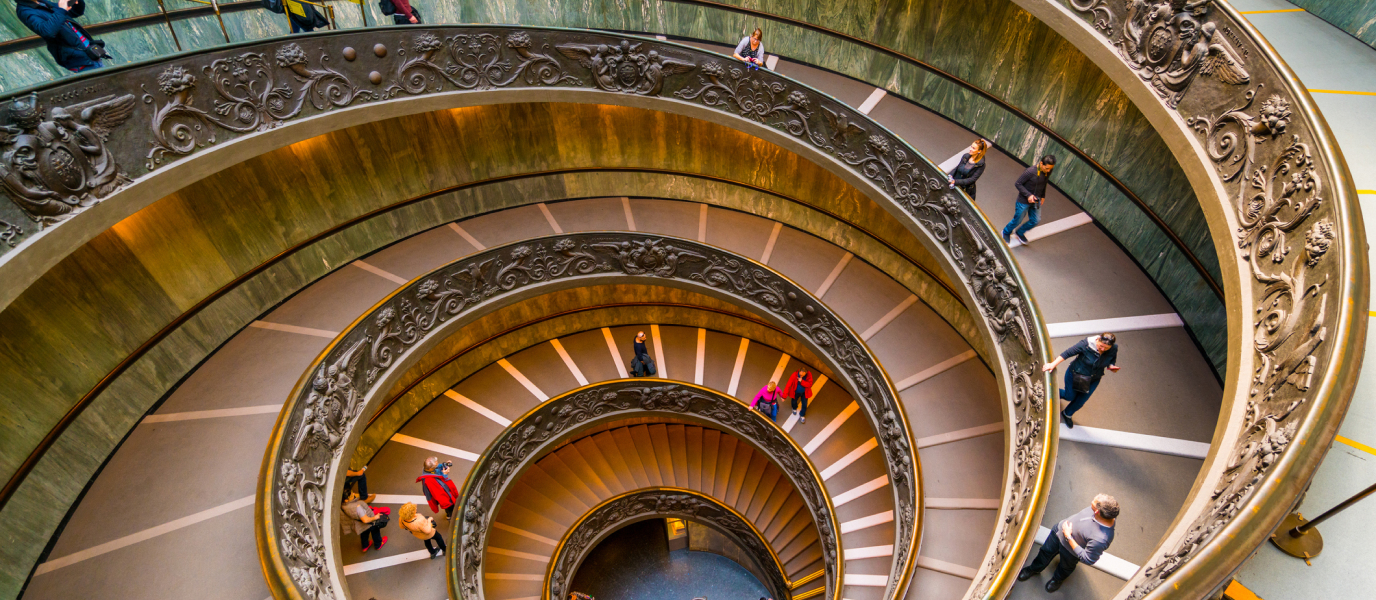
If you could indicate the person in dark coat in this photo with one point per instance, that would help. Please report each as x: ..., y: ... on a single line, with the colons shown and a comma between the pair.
x: 1031, y: 186
x: 1092, y: 355
x: 970, y: 168
x: 68, y: 42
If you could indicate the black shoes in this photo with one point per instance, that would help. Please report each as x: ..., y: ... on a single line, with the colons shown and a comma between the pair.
x: 1026, y: 574
x: 1069, y: 423
x: 1053, y: 585
x: 1022, y: 238
x: 1006, y: 239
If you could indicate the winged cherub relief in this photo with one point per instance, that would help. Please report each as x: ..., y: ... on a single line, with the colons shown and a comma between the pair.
x: 53, y: 168
x: 1169, y: 45
x: 624, y: 67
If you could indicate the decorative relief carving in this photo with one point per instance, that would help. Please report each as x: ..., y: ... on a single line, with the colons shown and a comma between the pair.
x: 636, y: 506
x: 543, y: 430
x: 10, y: 233
x: 1266, y: 162
x: 1169, y: 43
x: 250, y: 95
x: 56, y: 167
x: 475, y: 61
x: 256, y: 89
x: 1029, y: 403
x: 625, y: 67
x: 329, y: 409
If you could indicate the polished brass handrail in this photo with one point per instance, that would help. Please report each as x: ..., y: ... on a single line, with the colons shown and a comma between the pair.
x: 293, y: 533
x: 69, y: 417
x: 1208, y: 278
x: 439, y: 65
x: 1283, y: 212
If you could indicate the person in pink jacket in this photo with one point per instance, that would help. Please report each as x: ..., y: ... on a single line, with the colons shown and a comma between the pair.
x: 798, y: 390
x: 767, y: 401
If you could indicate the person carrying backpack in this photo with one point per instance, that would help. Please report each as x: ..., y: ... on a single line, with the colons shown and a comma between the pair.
x: 798, y: 390
x: 68, y: 42
x: 439, y: 489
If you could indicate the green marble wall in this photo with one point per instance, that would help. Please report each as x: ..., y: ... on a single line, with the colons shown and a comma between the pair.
x: 1357, y: 17
x: 80, y: 319
x: 455, y: 358
x: 1005, y: 51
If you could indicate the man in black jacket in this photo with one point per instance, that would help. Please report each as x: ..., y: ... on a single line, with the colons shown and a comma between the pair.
x: 68, y: 42
x: 1092, y: 355
x: 1031, y: 191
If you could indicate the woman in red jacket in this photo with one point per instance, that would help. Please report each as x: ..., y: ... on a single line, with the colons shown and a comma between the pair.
x: 799, y: 389
x: 439, y: 489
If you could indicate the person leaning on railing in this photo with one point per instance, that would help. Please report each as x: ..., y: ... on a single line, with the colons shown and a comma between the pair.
x: 68, y: 42
x: 751, y: 49
x: 401, y: 11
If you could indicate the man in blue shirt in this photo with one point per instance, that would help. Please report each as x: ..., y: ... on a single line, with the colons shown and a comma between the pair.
x: 1082, y: 538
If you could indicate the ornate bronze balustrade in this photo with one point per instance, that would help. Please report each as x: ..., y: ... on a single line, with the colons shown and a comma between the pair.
x: 302, y: 475
x: 641, y: 505
x: 1278, y: 193
x: 576, y: 413
x: 119, y: 135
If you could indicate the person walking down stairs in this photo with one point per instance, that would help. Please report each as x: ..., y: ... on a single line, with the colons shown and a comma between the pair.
x: 798, y: 390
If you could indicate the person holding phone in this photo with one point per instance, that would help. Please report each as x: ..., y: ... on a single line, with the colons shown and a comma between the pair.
x: 751, y: 49
x: 1031, y: 186
x: 439, y: 489
x: 68, y: 42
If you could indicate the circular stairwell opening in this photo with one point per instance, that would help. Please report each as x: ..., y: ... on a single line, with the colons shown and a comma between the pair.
x: 667, y: 559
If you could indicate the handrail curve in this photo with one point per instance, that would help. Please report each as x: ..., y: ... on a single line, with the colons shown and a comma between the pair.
x: 191, y: 106
x: 655, y: 502
x: 319, y: 425
x: 578, y: 413
x: 1278, y: 194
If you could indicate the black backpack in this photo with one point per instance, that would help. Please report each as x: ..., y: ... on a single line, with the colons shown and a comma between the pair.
x: 387, y: 7
x: 274, y: 6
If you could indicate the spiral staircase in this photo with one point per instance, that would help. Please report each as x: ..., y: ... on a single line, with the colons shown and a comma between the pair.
x: 931, y: 442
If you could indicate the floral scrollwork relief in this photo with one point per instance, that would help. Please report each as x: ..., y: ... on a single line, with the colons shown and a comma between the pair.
x: 544, y: 429
x: 252, y: 92
x: 1277, y: 188
x: 325, y: 413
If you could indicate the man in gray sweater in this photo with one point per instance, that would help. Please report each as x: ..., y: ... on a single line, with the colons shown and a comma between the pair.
x: 1082, y: 538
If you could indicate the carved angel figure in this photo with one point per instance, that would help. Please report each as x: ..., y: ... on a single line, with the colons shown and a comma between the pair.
x: 56, y: 167
x: 624, y: 67
x: 1203, y: 52
x: 841, y: 127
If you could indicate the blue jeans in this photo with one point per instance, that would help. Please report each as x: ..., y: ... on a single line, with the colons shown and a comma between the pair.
x: 1075, y: 399
x: 1034, y: 216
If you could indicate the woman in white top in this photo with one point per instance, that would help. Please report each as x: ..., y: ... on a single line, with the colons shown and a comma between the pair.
x: 751, y: 49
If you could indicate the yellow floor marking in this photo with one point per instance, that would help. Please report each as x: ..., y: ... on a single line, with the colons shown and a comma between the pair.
x: 1237, y: 591
x: 1367, y: 192
x: 1355, y: 444
x: 1262, y: 12
x: 1342, y: 92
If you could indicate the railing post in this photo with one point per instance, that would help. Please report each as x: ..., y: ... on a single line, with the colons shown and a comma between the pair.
x: 1299, y: 538
x: 163, y: 8
x: 215, y: 4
